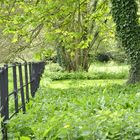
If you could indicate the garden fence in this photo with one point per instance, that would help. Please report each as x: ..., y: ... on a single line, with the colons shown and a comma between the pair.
x: 20, y: 82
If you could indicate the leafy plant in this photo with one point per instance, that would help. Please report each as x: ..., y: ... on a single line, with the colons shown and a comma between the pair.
x: 80, y: 110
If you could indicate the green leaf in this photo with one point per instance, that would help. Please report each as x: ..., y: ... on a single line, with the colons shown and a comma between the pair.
x: 25, y: 138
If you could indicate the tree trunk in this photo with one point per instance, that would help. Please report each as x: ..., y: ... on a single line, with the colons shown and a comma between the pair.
x: 69, y: 63
x: 134, y: 73
x: 128, y: 30
x: 80, y: 60
x: 85, y: 62
x: 134, y: 76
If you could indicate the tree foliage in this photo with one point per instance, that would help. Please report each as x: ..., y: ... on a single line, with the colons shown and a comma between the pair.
x: 72, y: 27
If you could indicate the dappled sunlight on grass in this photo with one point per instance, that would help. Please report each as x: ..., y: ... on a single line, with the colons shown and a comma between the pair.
x: 65, y: 84
x: 96, y: 71
x: 109, y: 68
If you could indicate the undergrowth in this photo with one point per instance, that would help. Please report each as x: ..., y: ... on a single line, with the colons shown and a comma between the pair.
x: 96, y: 71
x: 85, y: 75
x: 106, y: 110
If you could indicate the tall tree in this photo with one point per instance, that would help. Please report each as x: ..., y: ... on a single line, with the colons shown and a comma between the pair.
x: 125, y: 14
x: 72, y: 27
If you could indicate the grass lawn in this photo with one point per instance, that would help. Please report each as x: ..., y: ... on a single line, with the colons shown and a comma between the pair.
x: 66, y: 84
x: 97, y: 71
x: 80, y: 110
x: 110, y: 67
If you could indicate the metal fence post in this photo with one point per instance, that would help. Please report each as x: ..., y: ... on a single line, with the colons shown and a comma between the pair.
x: 21, y: 87
x: 40, y: 71
x: 30, y: 77
x: 15, y: 87
x: 5, y: 80
x: 4, y: 93
x: 33, y: 77
x: 37, y: 75
x: 26, y: 82
x: 4, y: 99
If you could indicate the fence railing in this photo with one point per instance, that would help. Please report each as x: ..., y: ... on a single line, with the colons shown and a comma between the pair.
x: 19, y: 81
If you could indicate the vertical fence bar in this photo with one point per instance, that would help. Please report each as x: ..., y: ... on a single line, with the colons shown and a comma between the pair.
x: 15, y: 87
x: 0, y: 88
x: 21, y: 88
x: 6, y: 92
x: 4, y: 100
x: 37, y: 74
x: 33, y: 75
x: 40, y: 72
x: 26, y: 82
x: 41, y: 67
x: 30, y: 76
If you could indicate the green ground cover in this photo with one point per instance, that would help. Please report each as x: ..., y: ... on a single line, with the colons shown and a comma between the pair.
x: 96, y: 71
x: 80, y: 110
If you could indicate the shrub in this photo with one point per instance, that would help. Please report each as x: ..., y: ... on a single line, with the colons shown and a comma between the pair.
x: 84, y: 75
x: 103, y: 57
x: 96, y: 71
x: 53, y: 67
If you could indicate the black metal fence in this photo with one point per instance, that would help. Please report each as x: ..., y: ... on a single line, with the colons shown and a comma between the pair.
x: 19, y: 81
